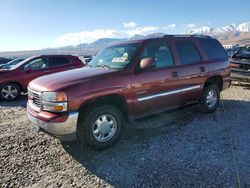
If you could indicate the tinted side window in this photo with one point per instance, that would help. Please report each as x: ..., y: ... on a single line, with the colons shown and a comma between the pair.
x: 213, y: 49
x: 160, y: 52
x: 57, y: 61
x: 187, y: 52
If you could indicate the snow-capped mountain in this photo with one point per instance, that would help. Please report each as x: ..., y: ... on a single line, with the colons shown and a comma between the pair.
x: 229, y: 29
x: 203, y: 30
x: 245, y: 27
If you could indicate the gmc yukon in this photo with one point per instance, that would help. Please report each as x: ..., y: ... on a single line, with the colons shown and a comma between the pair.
x: 127, y: 81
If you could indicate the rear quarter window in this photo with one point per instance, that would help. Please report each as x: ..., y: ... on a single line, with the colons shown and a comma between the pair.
x: 213, y: 49
x: 187, y: 52
x: 58, y: 61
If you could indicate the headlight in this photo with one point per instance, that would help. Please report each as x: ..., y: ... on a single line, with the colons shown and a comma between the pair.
x: 54, y: 96
x: 54, y: 101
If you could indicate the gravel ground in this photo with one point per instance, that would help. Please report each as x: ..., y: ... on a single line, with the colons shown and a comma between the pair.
x: 186, y: 149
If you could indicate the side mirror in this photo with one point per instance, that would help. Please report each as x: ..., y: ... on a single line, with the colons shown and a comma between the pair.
x: 147, y: 63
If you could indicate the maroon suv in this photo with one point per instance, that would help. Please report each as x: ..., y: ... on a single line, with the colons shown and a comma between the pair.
x: 128, y: 81
x: 14, y: 79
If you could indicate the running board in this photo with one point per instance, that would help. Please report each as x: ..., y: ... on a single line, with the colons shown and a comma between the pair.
x: 157, y: 115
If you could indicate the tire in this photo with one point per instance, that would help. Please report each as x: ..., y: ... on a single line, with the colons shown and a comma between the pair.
x: 10, y: 92
x: 210, y: 99
x: 100, y: 127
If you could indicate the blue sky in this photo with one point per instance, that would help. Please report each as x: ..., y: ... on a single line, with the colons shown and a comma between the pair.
x: 33, y: 24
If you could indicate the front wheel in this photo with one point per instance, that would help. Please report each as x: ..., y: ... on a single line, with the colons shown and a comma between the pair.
x: 10, y: 92
x: 210, y: 98
x: 100, y: 127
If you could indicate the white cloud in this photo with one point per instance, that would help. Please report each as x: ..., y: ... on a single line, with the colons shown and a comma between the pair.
x: 84, y: 37
x: 169, y: 26
x: 129, y: 25
x: 88, y: 36
x: 190, y: 25
x: 141, y: 30
x: 133, y: 29
x: 74, y: 39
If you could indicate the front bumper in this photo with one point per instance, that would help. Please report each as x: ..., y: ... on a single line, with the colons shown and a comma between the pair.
x: 65, y: 131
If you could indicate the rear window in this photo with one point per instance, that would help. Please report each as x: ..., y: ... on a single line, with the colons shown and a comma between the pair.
x: 57, y: 61
x: 187, y: 52
x: 213, y: 49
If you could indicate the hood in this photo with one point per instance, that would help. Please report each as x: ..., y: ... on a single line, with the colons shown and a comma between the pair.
x: 57, y: 81
x: 3, y: 71
x: 245, y: 55
x: 6, y: 67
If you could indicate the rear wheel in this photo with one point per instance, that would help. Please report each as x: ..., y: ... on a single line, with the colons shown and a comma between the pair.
x: 210, y: 98
x: 100, y: 127
x: 10, y: 92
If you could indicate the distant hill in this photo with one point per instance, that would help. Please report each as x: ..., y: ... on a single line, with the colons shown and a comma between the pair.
x: 229, y: 29
x: 105, y: 42
x: 230, y: 34
x: 81, y: 49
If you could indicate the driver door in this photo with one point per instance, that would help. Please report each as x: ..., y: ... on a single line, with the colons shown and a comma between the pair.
x: 153, y: 88
x: 34, y: 69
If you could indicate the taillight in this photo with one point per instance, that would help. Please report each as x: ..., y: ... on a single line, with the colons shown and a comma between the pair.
x: 234, y: 65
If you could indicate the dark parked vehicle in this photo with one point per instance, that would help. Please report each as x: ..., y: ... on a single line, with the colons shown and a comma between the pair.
x: 128, y: 81
x: 87, y: 58
x: 240, y: 65
x: 231, y: 52
x: 14, y: 79
x: 4, y: 60
x: 11, y: 63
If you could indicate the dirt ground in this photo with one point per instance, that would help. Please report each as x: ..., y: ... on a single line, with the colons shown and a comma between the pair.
x: 186, y: 149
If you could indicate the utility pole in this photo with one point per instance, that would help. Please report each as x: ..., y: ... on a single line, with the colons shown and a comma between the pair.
x: 80, y: 45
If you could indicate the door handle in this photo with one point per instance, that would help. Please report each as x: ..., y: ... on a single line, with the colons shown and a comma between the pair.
x: 174, y: 74
x: 202, y: 69
x: 46, y: 71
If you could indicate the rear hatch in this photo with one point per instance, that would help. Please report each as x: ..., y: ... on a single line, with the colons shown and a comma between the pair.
x: 241, y: 62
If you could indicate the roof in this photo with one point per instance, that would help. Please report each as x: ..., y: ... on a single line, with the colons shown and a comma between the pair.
x: 161, y: 37
x: 54, y: 55
x: 186, y: 36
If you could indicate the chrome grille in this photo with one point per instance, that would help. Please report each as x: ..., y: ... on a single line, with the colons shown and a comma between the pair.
x: 34, y: 98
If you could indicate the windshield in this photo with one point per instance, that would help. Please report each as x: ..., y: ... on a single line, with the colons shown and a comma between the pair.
x: 244, y: 49
x: 20, y: 63
x: 243, y: 52
x: 114, y: 57
x: 15, y: 61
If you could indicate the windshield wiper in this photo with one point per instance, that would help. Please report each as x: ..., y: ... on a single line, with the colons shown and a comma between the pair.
x: 104, y: 66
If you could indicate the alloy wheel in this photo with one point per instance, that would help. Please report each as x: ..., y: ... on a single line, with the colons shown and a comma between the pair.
x: 212, y: 98
x: 104, y: 128
x: 9, y: 92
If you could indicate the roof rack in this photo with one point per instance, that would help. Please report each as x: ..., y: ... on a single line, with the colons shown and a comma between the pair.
x: 186, y: 35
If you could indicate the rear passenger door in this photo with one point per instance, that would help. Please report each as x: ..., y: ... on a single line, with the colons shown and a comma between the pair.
x: 58, y: 64
x: 191, y: 71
